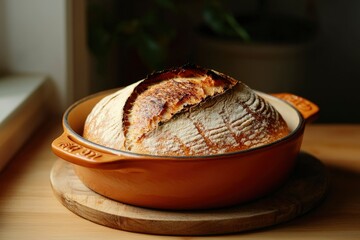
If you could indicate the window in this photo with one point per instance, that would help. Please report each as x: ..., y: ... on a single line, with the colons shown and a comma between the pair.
x: 46, y: 40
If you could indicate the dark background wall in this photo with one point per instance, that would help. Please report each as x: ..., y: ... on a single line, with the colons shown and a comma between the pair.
x: 332, y: 73
x: 332, y: 67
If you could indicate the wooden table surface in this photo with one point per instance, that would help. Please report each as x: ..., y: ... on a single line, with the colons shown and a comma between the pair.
x: 29, y: 209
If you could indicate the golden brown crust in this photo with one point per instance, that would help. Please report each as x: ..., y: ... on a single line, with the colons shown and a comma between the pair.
x: 184, y: 111
x: 164, y: 94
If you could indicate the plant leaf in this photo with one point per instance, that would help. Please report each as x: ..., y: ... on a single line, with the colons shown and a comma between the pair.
x: 222, y: 22
x: 167, y: 4
x: 151, y: 52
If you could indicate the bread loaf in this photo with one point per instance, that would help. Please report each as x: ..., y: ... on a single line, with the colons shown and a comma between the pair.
x: 185, y: 111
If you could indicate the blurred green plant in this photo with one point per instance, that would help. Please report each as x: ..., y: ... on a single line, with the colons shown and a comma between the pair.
x: 222, y: 21
x: 259, y: 25
x: 149, y: 34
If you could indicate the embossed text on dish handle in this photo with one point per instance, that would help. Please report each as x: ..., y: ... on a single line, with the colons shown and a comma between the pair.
x: 79, y: 150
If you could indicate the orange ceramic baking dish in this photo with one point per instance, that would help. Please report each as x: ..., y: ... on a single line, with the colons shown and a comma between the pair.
x: 181, y: 183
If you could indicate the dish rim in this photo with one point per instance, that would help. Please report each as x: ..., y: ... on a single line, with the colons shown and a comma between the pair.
x: 98, y: 147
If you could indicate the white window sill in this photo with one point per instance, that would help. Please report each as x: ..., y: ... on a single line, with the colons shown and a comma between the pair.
x: 22, y: 110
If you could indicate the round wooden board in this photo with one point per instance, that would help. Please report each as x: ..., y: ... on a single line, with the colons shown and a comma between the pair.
x: 303, y: 191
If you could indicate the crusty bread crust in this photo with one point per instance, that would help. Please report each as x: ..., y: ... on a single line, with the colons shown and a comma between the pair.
x: 184, y: 111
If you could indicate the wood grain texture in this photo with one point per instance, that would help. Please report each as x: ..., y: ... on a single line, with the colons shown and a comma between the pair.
x: 303, y: 191
x: 29, y: 209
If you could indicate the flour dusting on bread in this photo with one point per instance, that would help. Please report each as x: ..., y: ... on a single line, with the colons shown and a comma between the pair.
x: 184, y: 111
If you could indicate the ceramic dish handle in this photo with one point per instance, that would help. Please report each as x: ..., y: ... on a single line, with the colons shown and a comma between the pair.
x: 65, y: 148
x: 307, y: 109
x: 86, y: 156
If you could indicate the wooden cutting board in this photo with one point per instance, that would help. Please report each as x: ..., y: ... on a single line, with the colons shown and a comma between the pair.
x: 303, y: 191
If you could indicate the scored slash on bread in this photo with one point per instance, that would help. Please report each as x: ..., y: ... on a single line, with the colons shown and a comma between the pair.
x: 184, y: 111
x: 165, y: 94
